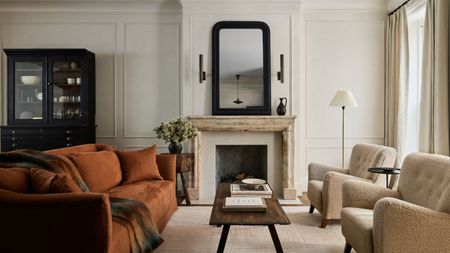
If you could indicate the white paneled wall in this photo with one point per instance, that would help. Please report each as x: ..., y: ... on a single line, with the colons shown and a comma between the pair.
x: 344, y: 49
x: 137, y: 64
x: 147, y: 63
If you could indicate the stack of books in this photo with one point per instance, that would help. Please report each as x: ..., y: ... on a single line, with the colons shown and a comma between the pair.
x: 244, y: 204
x: 245, y: 190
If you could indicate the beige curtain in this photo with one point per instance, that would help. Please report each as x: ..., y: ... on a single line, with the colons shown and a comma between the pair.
x: 397, y: 73
x: 434, y: 102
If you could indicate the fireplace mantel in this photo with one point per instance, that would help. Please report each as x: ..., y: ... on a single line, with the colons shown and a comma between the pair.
x: 283, y: 124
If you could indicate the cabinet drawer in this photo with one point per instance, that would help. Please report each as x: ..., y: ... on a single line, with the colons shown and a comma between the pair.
x: 22, y: 131
x: 62, y: 141
x: 65, y: 131
x: 21, y: 142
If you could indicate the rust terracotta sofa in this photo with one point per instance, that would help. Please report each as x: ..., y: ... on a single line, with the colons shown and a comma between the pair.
x: 82, y: 222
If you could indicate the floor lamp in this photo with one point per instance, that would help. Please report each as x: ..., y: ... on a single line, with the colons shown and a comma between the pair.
x: 343, y: 98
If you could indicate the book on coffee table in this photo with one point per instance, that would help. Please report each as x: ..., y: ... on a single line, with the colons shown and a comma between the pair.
x: 244, y: 190
x: 244, y: 204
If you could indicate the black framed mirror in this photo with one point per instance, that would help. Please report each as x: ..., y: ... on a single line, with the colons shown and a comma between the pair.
x: 241, y: 68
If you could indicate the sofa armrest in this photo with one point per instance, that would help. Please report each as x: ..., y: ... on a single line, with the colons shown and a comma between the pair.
x: 51, y: 223
x: 364, y: 194
x: 400, y: 226
x: 317, y: 171
x: 167, y: 164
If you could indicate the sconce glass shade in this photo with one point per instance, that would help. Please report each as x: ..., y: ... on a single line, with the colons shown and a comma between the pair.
x: 344, y: 98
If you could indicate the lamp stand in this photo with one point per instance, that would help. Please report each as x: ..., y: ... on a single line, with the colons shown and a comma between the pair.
x: 343, y: 130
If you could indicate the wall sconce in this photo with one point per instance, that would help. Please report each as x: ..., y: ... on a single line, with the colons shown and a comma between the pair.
x: 280, y: 74
x: 202, y: 74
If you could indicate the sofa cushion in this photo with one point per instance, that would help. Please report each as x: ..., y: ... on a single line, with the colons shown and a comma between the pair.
x: 15, y: 179
x: 99, y: 170
x: 80, y: 149
x: 158, y: 195
x: 138, y: 165
x: 44, y: 181
x: 357, y: 225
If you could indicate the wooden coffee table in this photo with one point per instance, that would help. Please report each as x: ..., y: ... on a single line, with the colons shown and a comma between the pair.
x: 274, y: 215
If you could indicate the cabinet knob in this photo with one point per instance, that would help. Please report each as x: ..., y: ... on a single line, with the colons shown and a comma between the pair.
x: 49, y: 83
x: 13, y: 138
x: 13, y: 131
x: 14, y: 145
x: 68, y: 131
x: 68, y: 144
x: 69, y: 138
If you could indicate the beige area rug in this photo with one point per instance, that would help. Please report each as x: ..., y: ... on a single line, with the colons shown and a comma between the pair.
x: 188, y: 231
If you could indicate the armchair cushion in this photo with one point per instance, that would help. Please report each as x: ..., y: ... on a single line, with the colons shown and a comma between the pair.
x: 406, y: 227
x: 365, y: 156
x: 15, y: 179
x: 99, y: 170
x: 138, y: 165
x: 317, y: 171
x: 363, y: 194
x: 426, y: 181
x: 357, y: 224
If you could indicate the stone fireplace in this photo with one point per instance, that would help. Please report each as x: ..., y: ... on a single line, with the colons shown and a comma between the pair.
x: 274, y: 132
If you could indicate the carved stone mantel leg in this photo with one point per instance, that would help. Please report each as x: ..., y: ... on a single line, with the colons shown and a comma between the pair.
x: 194, y: 187
x: 287, y: 161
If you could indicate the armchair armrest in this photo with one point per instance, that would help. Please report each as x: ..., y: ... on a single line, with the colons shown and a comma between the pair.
x: 66, y: 222
x: 167, y: 165
x: 317, y: 171
x: 332, y: 193
x: 364, y: 194
x: 400, y: 226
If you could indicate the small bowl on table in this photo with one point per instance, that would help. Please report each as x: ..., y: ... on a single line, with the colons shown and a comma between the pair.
x: 253, y: 182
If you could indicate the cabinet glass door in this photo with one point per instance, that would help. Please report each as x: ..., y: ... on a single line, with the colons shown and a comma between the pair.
x: 28, y: 90
x: 65, y: 95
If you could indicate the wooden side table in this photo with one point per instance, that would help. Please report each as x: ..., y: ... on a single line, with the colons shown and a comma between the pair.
x: 185, y: 163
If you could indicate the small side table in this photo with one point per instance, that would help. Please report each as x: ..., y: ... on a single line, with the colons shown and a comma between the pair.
x: 386, y: 171
x: 185, y: 163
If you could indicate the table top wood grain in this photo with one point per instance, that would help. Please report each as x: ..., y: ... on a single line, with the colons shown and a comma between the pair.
x: 274, y: 214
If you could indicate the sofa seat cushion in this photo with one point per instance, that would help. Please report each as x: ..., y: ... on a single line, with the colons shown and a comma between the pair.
x: 138, y: 165
x: 315, y: 193
x: 120, y: 242
x: 158, y: 195
x: 357, y: 225
x: 99, y: 170
x: 15, y: 179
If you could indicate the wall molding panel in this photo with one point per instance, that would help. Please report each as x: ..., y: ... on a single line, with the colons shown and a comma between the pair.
x: 115, y: 94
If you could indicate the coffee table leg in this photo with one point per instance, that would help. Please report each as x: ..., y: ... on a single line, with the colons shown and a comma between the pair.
x: 275, y: 239
x: 223, y: 238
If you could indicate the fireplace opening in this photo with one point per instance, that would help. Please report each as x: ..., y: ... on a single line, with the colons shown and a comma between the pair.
x: 236, y: 162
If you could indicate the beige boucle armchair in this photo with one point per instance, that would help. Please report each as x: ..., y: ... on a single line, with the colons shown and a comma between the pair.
x: 413, y: 219
x: 325, y: 182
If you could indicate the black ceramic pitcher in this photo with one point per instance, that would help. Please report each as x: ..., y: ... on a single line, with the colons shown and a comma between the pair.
x: 281, y: 109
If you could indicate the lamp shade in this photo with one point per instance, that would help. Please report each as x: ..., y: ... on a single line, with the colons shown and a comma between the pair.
x: 344, y: 98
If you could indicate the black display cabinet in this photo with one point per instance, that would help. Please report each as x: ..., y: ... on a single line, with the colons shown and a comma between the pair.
x: 51, y: 98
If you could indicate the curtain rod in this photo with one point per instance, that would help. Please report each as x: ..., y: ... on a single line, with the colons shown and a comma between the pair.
x: 396, y: 9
